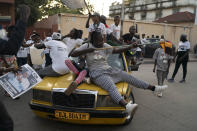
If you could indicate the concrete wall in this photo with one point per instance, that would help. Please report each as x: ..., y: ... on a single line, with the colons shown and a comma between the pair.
x: 66, y: 22
x: 172, y: 32
x: 48, y: 22
x: 193, y: 33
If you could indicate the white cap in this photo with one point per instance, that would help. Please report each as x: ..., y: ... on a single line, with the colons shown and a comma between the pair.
x: 56, y: 36
x: 48, y: 39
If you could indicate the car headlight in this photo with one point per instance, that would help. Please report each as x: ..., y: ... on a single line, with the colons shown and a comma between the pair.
x: 42, y: 95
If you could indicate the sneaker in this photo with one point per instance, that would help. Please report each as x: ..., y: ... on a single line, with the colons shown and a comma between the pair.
x: 131, y: 108
x: 159, y: 89
x: 159, y: 94
x: 71, y: 88
x: 171, y: 80
x: 182, y: 81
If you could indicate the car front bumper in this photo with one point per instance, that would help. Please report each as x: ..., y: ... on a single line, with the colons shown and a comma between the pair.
x: 107, y: 117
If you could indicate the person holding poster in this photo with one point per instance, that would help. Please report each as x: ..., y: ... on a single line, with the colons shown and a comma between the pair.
x: 11, y: 47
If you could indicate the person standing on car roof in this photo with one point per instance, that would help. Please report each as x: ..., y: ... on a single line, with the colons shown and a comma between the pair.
x: 11, y: 47
x: 97, y: 26
x: 182, y: 58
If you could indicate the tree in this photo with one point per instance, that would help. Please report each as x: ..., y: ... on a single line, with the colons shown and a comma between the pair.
x: 43, y: 8
x: 34, y: 5
x: 55, y: 7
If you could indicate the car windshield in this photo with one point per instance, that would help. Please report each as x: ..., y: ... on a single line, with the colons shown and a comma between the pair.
x: 114, y: 60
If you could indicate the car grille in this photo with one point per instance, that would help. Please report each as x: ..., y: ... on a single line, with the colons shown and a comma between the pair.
x: 75, y: 100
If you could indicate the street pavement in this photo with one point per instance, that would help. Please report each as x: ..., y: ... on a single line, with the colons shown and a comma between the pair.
x: 175, y: 111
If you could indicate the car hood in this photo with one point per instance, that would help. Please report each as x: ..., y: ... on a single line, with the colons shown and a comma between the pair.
x: 49, y: 83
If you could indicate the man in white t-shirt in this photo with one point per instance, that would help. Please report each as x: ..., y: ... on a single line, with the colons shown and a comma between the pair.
x: 115, y: 28
x: 113, y: 32
x: 58, y: 54
x: 143, y: 40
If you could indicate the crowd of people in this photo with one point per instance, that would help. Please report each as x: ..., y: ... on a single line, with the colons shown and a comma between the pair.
x: 92, y: 53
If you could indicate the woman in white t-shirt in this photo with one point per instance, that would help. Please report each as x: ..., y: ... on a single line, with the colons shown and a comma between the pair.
x: 97, y: 26
x: 182, y: 58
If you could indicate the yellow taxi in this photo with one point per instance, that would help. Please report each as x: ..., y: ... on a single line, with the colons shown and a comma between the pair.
x: 88, y: 104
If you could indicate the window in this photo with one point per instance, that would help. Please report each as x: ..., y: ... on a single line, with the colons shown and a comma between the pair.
x: 175, y: 10
x: 158, y: 14
x: 143, y: 15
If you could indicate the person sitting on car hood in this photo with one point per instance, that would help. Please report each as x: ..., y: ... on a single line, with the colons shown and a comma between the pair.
x: 58, y: 54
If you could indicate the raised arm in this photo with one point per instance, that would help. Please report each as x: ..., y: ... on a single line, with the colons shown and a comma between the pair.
x: 76, y: 53
x: 88, y: 21
x: 123, y: 49
x: 15, y: 41
x: 114, y: 39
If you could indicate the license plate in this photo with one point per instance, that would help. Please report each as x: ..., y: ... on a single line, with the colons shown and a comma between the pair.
x: 72, y: 115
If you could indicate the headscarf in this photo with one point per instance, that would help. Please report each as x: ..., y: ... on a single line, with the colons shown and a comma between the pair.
x: 165, y: 44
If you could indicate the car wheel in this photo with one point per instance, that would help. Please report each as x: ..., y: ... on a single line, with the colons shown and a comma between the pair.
x: 130, y: 116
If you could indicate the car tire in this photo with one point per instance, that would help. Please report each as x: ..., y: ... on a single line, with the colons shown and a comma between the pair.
x: 129, y: 118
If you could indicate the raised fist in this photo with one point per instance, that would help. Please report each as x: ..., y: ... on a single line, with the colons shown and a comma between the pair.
x: 24, y: 12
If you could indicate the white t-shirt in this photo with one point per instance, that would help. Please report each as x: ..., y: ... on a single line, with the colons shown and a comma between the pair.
x: 184, y: 46
x: 47, y: 39
x: 108, y: 31
x: 138, y: 49
x: 28, y: 43
x: 99, y: 28
x: 144, y: 41
x: 115, y: 31
x: 22, y: 53
x: 72, y: 43
x: 46, y: 51
x: 58, y: 54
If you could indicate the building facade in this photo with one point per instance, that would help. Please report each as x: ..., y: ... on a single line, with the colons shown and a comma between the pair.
x: 7, y: 12
x: 151, y: 10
